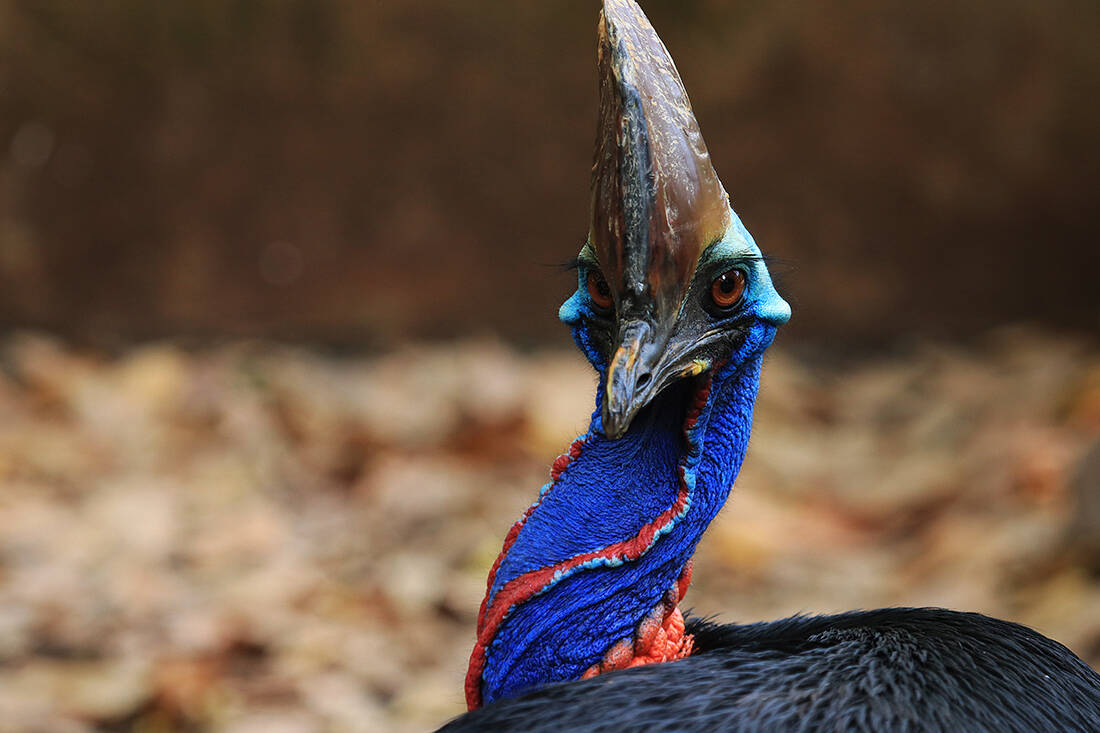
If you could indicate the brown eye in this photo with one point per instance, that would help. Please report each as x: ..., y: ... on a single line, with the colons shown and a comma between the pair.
x: 728, y: 288
x: 598, y: 290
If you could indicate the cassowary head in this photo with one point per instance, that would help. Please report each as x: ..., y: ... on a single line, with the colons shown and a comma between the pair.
x: 671, y: 289
x: 670, y: 282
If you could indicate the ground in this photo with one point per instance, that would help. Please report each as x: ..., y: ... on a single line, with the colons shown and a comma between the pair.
x: 259, y: 537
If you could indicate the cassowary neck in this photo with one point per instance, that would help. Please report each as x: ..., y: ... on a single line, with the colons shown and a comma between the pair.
x: 610, y: 536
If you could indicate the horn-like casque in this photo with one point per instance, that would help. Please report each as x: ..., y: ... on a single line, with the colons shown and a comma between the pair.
x: 657, y: 202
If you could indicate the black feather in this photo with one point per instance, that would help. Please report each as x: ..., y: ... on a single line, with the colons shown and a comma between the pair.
x: 570, y: 265
x: 887, y: 670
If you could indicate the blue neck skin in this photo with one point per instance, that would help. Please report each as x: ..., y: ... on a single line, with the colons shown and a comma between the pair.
x: 612, y: 491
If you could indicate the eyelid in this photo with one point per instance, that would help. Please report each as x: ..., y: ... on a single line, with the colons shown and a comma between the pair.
x: 587, y: 264
x: 718, y: 270
x: 745, y: 264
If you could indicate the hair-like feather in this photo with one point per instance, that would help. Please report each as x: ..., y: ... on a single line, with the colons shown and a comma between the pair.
x: 898, y: 669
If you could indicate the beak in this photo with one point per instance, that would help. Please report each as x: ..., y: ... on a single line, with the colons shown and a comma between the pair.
x: 642, y: 366
x: 628, y: 375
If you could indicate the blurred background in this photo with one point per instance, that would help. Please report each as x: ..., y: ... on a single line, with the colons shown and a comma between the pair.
x: 279, y: 361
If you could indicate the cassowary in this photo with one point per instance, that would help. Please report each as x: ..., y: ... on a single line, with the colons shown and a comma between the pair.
x: 580, y: 628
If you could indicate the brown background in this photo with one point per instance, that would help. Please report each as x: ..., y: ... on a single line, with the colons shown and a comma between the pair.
x: 360, y: 173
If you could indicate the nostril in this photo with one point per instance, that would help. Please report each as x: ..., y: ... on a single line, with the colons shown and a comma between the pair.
x: 644, y: 380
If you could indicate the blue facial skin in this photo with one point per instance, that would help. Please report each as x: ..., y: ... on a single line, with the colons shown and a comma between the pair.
x: 736, y: 249
x: 761, y: 298
x: 617, y: 487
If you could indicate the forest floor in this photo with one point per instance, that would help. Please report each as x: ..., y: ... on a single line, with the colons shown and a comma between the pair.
x: 258, y: 537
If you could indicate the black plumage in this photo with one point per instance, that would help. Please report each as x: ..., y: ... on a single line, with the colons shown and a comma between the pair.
x: 898, y: 669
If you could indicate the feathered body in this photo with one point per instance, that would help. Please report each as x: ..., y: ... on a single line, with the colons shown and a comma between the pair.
x: 895, y: 669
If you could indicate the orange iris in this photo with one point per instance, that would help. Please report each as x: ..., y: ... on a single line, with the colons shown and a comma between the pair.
x: 728, y: 288
x: 599, y: 291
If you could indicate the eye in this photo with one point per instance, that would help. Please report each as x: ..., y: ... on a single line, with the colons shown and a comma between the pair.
x: 599, y: 291
x: 727, y: 289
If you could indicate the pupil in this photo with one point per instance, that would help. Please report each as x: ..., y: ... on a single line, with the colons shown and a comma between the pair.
x: 728, y: 284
